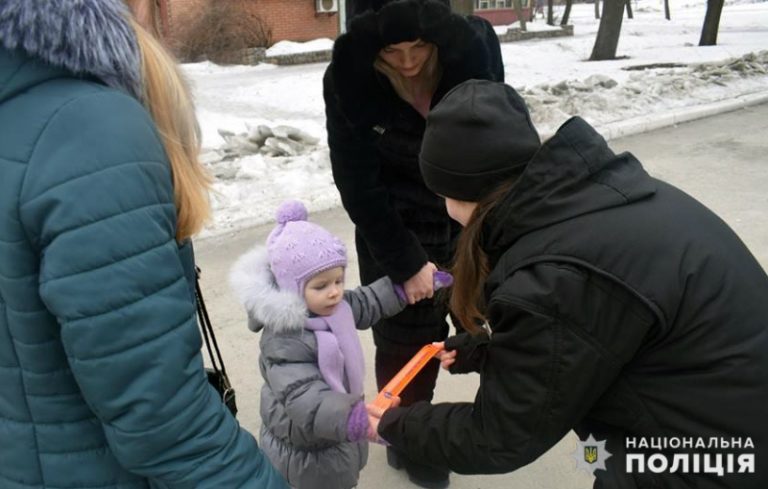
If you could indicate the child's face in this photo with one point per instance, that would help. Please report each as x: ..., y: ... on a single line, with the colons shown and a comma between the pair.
x: 324, y: 291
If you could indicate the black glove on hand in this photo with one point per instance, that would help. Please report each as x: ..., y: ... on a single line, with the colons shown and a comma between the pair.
x: 470, y: 352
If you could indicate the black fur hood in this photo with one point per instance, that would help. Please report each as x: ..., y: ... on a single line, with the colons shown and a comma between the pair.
x: 467, y: 48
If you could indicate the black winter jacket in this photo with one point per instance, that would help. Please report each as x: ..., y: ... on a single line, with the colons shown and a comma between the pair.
x: 620, y: 307
x: 375, y: 138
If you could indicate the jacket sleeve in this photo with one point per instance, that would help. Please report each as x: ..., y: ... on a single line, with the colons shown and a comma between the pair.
x: 471, y: 351
x: 560, y: 338
x: 357, y: 174
x: 371, y: 303
x: 99, y: 209
x: 290, y: 368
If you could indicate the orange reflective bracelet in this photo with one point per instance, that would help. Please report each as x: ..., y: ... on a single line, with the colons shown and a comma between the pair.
x: 404, y: 377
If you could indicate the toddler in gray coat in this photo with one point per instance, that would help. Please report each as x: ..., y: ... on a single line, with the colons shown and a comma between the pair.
x: 314, y: 421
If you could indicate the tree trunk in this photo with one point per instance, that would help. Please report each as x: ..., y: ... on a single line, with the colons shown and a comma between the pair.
x: 463, y: 7
x: 519, y: 13
x: 711, y: 23
x: 629, y: 10
x: 666, y: 10
x: 597, y: 9
x: 550, y: 14
x: 608, y: 33
x: 567, y: 12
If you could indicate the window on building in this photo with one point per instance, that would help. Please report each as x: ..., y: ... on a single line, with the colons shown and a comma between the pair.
x: 497, y: 4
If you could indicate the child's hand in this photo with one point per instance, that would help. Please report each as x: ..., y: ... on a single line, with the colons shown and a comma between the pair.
x: 447, y: 358
x: 374, y: 416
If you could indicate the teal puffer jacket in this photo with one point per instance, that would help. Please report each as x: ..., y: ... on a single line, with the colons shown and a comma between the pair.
x: 101, y: 377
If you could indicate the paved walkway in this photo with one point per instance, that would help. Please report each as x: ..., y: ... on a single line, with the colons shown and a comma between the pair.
x: 720, y: 160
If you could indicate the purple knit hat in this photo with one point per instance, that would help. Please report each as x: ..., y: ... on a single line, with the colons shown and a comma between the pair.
x: 299, y: 249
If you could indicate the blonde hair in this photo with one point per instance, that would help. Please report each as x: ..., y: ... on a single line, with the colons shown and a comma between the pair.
x: 432, y: 69
x: 167, y: 98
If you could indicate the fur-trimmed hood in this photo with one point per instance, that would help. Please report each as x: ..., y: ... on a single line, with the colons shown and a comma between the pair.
x: 87, y: 37
x: 268, y: 307
x: 462, y: 43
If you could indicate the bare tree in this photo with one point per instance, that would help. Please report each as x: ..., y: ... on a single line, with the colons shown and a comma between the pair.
x: 666, y: 10
x: 464, y: 7
x: 608, y: 33
x: 567, y: 12
x: 550, y: 14
x: 597, y: 9
x: 629, y: 10
x: 519, y: 12
x: 221, y: 30
x: 711, y: 23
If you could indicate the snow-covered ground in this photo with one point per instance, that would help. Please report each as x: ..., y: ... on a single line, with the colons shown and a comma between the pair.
x: 552, y: 74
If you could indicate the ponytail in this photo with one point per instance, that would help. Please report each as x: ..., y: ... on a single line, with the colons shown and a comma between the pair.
x: 470, y: 266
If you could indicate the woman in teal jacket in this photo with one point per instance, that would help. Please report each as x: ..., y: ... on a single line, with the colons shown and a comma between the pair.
x: 100, y: 366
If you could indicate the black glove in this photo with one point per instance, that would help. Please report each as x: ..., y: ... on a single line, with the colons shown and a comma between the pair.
x: 470, y: 352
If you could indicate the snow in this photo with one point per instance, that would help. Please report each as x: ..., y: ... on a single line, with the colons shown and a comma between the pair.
x: 538, y: 26
x: 552, y: 75
x: 290, y: 47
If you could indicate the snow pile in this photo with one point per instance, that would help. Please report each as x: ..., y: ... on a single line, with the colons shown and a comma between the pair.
x: 262, y: 139
x: 290, y: 47
x: 257, y: 184
x: 600, y: 98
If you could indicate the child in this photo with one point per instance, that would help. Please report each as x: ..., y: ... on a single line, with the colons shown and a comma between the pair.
x: 314, y: 421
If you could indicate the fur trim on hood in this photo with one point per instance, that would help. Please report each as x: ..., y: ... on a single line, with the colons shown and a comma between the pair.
x: 360, y: 90
x: 268, y: 307
x: 86, y: 37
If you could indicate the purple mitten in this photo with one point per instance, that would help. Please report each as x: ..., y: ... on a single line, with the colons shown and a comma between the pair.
x: 357, y: 423
x: 440, y: 280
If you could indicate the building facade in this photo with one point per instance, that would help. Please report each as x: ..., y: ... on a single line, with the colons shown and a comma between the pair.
x: 294, y: 20
x: 501, y: 12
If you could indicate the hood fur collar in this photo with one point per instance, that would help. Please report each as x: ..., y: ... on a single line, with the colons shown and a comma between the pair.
x: 362, y: 94
x: 86, y: 37
x: 268, y: 307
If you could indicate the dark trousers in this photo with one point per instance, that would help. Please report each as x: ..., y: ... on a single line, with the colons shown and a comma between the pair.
x: 397, y: 339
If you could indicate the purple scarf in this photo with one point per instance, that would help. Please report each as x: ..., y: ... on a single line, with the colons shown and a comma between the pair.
x: 338, y: 350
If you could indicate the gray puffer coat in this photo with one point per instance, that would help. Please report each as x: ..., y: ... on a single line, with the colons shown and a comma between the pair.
x: 304, y: 422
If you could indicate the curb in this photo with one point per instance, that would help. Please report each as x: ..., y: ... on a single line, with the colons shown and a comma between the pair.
x: 645, y: 123
x: 514, y: 34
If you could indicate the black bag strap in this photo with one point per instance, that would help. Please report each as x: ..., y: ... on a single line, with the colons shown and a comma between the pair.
x: 208, y: 336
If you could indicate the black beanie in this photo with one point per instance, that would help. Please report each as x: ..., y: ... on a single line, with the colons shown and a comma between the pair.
x: 479, y: 135
x: 360, y: 6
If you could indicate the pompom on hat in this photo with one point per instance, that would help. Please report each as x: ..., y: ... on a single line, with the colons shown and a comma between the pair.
x: 299, y: 249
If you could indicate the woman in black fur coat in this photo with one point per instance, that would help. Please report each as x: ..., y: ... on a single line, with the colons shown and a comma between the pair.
x: 397, y: 60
